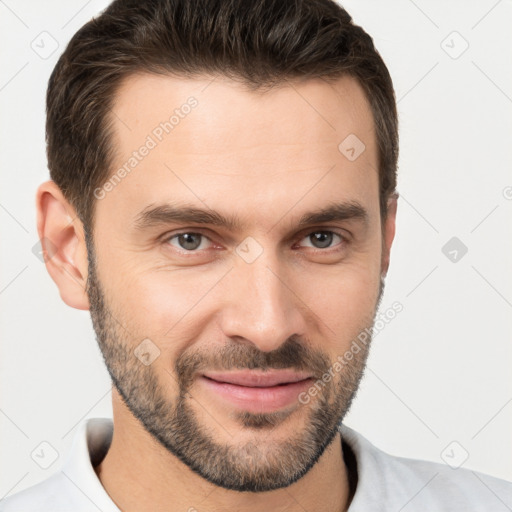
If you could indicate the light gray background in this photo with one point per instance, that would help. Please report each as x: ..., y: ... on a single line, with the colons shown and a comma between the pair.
x: 438, y: 373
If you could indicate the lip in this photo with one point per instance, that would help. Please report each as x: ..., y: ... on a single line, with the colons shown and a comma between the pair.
x: 257, y: 392
x: 259, y: 379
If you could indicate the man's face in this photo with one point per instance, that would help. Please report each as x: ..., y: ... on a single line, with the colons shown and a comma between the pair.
x: 177, y: 302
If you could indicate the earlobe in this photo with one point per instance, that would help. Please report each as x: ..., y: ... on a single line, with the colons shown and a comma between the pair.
x: 389, y: 232
x: 62, y: 239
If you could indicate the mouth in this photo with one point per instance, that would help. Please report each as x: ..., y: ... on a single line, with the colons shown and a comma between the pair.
x: 256, y: 391
x: 258, y: 379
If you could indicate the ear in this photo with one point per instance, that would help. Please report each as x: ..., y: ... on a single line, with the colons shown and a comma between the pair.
x: 63, y: 244
x: 388, y: 232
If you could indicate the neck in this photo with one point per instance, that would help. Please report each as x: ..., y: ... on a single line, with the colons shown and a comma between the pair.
x: 140, y: 474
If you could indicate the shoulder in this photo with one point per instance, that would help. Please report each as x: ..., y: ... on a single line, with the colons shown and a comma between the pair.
x: 388, y: 481
x: 57, y: 493
x: 436, y: 484
x: 75, y: 487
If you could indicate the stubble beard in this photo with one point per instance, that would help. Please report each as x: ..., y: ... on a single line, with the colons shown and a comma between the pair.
x: 254, y: 466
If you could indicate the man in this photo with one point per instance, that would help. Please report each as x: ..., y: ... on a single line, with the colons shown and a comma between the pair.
x: 223, y: 202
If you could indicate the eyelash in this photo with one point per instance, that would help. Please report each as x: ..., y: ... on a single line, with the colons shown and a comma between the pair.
x: 344, y: 240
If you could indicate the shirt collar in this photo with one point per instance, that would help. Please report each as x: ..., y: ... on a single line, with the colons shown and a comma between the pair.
x: 90, y: 445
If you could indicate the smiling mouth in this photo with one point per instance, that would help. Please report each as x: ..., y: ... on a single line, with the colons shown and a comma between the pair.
x: 258, y: 379
x: 264, y: 386
x: 257, y: 392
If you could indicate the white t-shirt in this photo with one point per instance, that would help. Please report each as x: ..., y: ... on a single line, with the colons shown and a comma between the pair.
x: 384, y: 482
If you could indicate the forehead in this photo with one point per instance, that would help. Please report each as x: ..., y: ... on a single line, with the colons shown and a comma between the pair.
x: 211, y: 141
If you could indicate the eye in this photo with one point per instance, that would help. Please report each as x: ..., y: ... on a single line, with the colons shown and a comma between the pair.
x: 194, y: 242
x: 188, y: 241
x: 323, y: 239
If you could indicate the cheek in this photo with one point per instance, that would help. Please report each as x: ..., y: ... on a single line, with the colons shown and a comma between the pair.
x: 344, y: 299
x: 164, y: 306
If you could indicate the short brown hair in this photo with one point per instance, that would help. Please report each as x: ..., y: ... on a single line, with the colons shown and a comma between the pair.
x: 260, y: 43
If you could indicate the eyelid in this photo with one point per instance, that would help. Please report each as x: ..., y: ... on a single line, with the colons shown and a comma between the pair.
x: 342, y: 233
x: 172, y: 234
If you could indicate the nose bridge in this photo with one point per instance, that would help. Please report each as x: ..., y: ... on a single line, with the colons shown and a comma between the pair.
x: 259, y: 305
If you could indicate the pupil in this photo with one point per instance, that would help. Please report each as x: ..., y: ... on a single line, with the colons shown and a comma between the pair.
x: 321, y: 239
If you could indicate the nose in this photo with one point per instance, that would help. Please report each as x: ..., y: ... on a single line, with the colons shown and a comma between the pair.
x: 260, y: 305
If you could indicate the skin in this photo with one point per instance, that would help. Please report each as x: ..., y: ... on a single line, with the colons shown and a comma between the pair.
x: 267, y: 158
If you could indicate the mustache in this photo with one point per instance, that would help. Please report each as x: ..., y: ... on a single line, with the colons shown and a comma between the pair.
x: 243, y: 356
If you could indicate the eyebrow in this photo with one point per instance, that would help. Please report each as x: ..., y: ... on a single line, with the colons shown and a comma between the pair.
x: 153, y: 216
